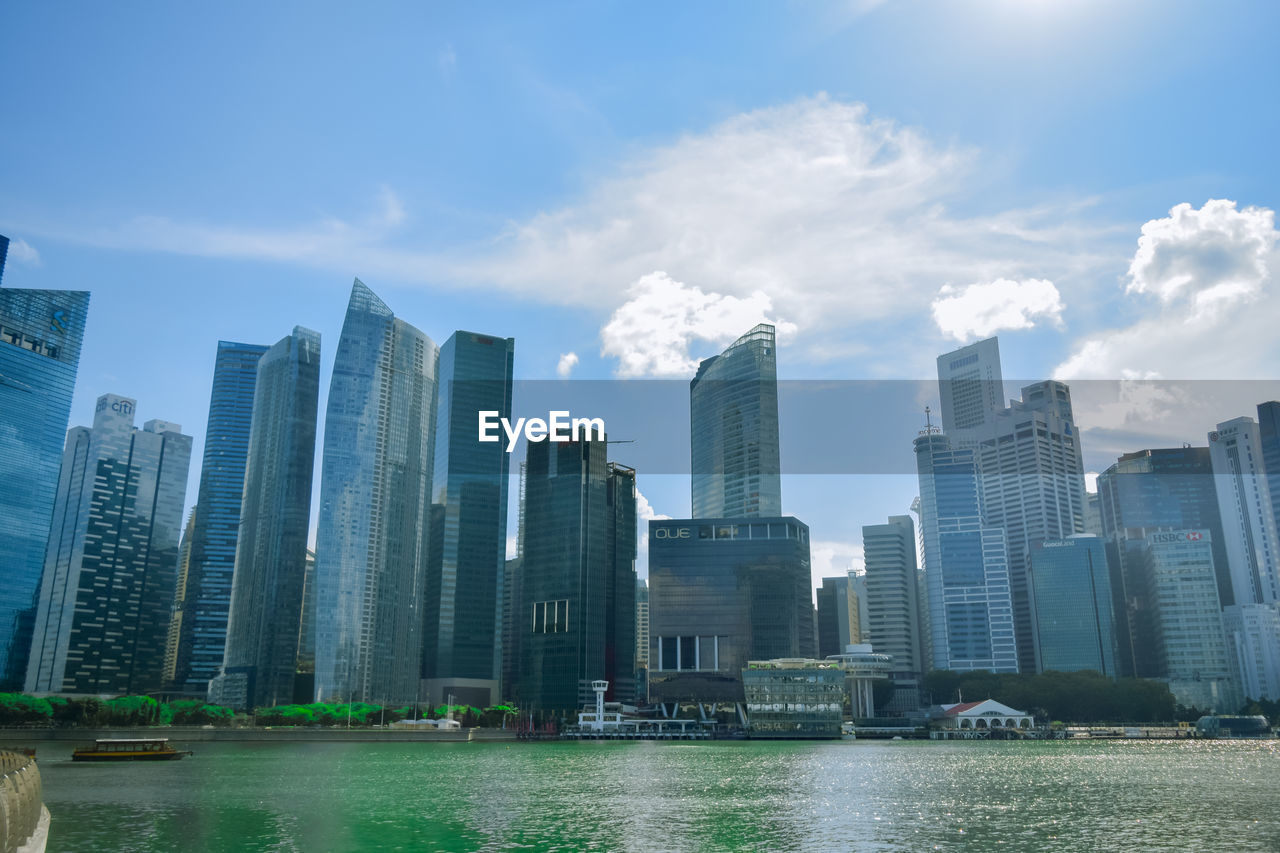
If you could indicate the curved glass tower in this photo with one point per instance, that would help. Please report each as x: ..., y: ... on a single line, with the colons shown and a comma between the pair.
x: 271, y: 554
x: 371, y: 548
x: 733, y: 420
x: 40, y: 335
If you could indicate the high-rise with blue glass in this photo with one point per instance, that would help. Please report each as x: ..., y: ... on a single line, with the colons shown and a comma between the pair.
x: 112, y: 556
x: 271, y: 553
x: 966, y: 563
x: 375, y: 499
x: 1071, y: 605
x: 462, y: 631
x: 733, y: 419
x: 40, y: 336
x: 202, y: 613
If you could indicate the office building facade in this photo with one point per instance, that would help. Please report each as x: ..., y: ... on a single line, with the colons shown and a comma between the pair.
x: 971, y: 386
x: 260, y: 663
x: 462, y: 632
x: 723, y: 592
x: 1146, y: 492
x: 375, y: 500
x: 1032, y: 486
x: 202, y: 637
x: 577, y: 574
x: 40, y: 337
x: 1071, y: 606
x: 1269, y: 438
x: 837, y: 614
x: 1190, y: 647
x: 1253, y: 648
x: 893, y: 606
x: 105, y: 598
x: 1248, y: 519
x: 733, y: 414
x: 966, y: 564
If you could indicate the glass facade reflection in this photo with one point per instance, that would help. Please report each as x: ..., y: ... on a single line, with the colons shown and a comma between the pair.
x: 1071, y: 603
x: 112, y: 557
x: 40, y: 336
x: 463, y: 608
x: 733, y: 419
x: 374, y: 507
x: 271, y: 555
x: 966, y: 564
x: 794, y: 698
x: 723, y: 592
x: 578, y: 579
x: 202, y: 616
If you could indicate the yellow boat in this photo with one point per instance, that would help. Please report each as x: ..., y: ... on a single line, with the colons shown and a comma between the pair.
x: 128, y: 749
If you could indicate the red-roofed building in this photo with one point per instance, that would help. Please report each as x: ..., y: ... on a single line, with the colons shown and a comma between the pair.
x: 985, y: 715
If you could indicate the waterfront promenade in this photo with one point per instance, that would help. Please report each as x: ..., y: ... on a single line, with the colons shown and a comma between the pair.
x: 282, y: 734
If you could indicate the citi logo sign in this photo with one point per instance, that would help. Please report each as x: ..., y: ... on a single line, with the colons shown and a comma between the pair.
x: 672, y: 533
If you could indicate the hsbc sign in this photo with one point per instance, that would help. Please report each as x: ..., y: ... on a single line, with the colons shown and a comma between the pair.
x: 1179, y: 536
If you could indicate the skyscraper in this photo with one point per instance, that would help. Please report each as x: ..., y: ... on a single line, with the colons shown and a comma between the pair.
x: 1032, y: 486
x: 966, y: 563
x: 1269, y: 438
x: 1253, y: 648
x: 1146, y: 492
x: 107, y: 589
x: 723, y: 592
x: 970, y: 385
x: 179, y: 595
x: 1248, y: 519
x: 462, y: 634
x: 733, y: 413
x: 578, y: 577
x: 1071, y: 605
x: 261, y: 657
x: 202, y: 635
x: 40, y: 335
x: 1190, y: 646
x: 837, y: 613
x: 893, y: 608
x: 374, y: 507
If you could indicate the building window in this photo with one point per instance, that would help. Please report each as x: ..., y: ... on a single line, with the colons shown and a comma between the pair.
x: 551, y: 617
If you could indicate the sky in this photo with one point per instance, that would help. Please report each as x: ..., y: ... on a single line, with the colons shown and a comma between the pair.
x: 626, y: 188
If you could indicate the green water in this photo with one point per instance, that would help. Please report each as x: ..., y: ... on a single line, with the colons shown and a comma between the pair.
x: 904, y: 795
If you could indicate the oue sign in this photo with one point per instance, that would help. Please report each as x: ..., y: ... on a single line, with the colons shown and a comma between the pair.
x: 672, y: 533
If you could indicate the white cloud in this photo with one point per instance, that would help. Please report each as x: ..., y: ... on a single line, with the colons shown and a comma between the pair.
x: 841, y: 218
x: 568, y: 361
x: 651, y: 332
x: 982, y: 309
x: 829, y: 559
x: 1215, y: 313
x: 22, y: 252
x: 1211, y: 255
x: 645, y: 511
x: 513, y: 546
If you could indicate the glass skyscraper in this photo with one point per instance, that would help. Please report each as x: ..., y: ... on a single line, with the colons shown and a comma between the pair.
x: 733, y: 414
x: 202, y: 612
x: 1071, y: 606
x: 578, y: 577
x: 1248, y: 519
x: 723, y: 592
x: 966, y: 563
x: 1145, y: 492
x: 462, y: 648
x: 271, y: 554
x: 112, y: 556
x: 375, y: 501
x: 40, y: 337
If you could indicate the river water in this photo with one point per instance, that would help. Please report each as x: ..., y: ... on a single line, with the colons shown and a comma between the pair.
x: 752, y: 795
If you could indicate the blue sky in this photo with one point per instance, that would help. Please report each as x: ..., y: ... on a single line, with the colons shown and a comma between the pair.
x: 637, y: 184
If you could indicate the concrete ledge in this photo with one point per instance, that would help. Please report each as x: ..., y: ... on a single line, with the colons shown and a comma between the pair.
x: 185, y: 734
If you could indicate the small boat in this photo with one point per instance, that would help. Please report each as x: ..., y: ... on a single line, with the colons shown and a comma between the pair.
x: 129, y: 749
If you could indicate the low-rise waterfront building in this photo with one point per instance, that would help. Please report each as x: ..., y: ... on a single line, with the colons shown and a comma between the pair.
x: 794, y: 698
